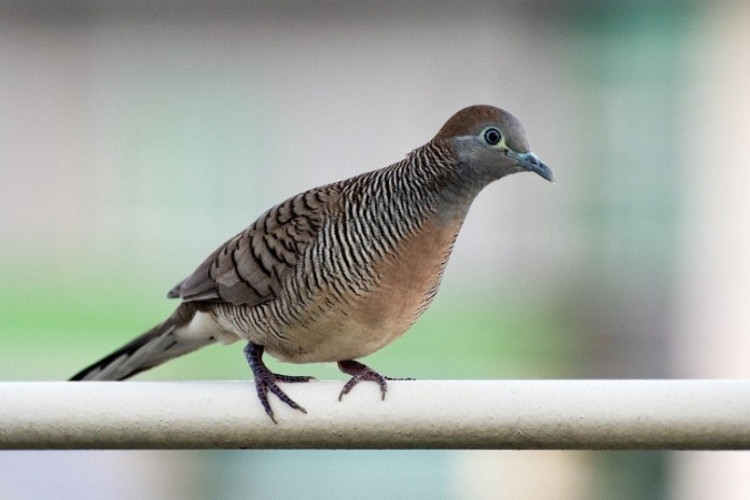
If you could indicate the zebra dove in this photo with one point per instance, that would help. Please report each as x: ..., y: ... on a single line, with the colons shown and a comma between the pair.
x: 339, y: 271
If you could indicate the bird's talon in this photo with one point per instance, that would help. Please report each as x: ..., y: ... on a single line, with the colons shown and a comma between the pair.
x: 265, y: 380
x: 360, y: 372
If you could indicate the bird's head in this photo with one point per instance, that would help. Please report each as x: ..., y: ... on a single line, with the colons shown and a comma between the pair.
x: 490, y: 143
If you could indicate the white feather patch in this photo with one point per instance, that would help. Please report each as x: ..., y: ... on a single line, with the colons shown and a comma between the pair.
x: 203, y: 326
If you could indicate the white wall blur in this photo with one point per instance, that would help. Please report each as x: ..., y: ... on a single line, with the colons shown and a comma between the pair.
x: 174, y: 132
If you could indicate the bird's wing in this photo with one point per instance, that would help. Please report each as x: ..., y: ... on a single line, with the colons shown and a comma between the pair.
x: 250, y: 268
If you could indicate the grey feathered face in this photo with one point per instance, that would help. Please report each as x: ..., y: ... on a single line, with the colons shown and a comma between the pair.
x: 490, y: 143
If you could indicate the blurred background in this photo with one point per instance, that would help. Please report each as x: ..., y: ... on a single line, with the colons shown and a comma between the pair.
x: 137, y: 137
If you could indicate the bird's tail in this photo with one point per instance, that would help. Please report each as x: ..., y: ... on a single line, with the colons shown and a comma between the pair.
x: 162, y: 343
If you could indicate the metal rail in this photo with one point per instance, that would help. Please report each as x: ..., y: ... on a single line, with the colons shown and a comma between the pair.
x: 522, y: 414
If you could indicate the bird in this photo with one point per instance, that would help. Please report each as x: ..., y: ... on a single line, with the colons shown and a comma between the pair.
x: 337, y: 272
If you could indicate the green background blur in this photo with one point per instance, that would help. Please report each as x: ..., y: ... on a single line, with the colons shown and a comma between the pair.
x: 135, y: 138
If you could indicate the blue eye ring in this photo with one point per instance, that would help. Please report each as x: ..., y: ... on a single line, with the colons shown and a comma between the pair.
x: 492, y: 136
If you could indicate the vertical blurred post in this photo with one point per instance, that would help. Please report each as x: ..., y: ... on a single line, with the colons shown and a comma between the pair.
x: 713, y: 317
x: 630, y: 61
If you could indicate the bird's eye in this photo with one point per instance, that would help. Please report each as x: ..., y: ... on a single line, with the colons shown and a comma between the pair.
x: 492, y: 136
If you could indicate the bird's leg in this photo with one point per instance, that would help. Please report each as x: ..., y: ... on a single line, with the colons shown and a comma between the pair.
x: 265, y: 379
x: 360, y: 372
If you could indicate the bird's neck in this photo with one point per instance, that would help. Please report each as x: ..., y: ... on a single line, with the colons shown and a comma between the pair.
x: 435, y: 180
x: 425, y: 187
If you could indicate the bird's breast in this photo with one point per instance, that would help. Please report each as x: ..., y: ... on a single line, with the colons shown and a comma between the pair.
x: 406, y: 280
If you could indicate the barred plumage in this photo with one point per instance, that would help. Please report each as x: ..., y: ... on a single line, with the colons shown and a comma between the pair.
x: 337, y: 272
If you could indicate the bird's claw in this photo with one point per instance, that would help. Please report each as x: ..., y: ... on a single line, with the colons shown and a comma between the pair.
x: 360, y: 372
x: 267, y: 383
x: 265, y: 380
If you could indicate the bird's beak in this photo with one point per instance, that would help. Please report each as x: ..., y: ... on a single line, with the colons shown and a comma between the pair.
x: 532, y: 163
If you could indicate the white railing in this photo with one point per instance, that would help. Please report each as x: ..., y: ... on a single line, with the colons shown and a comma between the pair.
x: 559, y: 414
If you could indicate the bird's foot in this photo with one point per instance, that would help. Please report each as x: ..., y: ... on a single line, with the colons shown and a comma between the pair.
x: 265, y: 380
x: 360, y: 372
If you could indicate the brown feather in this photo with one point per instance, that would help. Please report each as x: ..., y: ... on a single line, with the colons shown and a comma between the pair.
x: 249, y: 268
